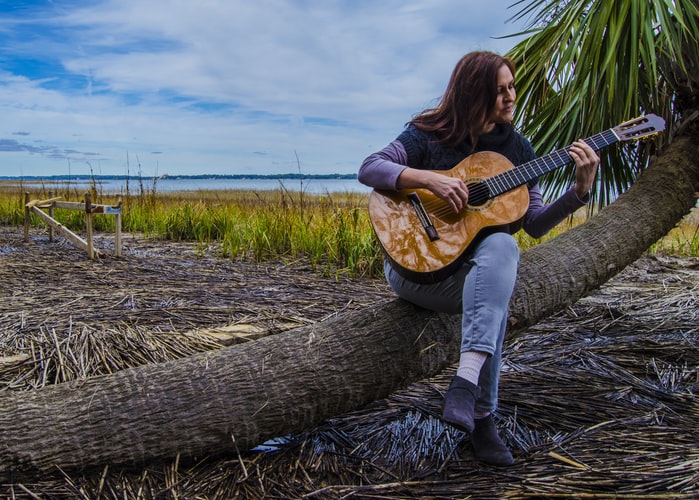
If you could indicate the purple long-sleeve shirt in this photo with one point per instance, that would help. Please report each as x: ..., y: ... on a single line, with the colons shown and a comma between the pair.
x: 382, y: 169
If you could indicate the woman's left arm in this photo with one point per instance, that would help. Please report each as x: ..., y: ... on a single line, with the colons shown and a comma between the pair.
x: 541, y: 218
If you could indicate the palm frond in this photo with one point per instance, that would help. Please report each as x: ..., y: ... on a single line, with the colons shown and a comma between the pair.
x: 589, y: 65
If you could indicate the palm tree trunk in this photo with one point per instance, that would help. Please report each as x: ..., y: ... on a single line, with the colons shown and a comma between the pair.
x: 555, y: 274
x: 237, y: 397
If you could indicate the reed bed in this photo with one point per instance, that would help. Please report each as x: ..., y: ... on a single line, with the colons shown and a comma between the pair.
x: 332, y: 232
x: 598, y: 401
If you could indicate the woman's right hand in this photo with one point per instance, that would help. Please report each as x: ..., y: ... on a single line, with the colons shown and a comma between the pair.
x: 452, y: 190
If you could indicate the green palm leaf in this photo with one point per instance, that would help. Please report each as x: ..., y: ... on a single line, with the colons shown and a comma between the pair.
x: 589, y: 65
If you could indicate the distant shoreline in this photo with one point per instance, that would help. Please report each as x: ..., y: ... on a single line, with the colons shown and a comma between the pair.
x: 88, y: 177
x: 310, y: 183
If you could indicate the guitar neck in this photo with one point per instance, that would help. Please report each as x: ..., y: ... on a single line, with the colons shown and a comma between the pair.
x: 531, y: 170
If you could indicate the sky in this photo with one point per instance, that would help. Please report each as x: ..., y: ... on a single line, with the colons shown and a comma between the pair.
x: 155, y: 87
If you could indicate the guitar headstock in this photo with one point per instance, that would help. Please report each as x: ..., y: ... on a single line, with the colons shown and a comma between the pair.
x: 643, y: 126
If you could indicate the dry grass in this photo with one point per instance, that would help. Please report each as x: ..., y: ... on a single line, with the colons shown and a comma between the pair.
x: 599, y: 401
x: 71, y: 317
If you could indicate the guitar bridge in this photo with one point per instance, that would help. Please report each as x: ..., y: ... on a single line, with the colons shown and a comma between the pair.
x: 423, y: 216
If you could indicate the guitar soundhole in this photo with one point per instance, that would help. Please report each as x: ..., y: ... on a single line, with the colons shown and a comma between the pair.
x: 478, y: 194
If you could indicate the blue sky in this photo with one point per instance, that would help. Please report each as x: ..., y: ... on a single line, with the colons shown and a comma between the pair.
x: 224, y: 86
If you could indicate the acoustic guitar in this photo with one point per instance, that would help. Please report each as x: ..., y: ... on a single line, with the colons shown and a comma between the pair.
x: 425, y: 239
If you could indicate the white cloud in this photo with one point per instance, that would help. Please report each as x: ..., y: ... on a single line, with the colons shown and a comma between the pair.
x: 213, y: 83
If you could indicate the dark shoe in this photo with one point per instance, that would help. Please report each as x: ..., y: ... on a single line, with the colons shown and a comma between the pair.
x: 459, y: 404
x: 487, y: 445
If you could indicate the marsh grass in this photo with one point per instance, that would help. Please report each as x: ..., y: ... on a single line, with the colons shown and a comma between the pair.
x: 683, y: 240
x: 332, y: 231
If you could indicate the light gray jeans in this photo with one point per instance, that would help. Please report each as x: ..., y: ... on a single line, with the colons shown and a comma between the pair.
x: 480, y: 290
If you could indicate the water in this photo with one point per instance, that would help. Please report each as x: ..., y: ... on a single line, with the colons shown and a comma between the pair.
x: 117, y: 186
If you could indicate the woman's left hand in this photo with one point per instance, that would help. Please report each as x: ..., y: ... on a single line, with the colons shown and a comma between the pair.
x: 586, y: 163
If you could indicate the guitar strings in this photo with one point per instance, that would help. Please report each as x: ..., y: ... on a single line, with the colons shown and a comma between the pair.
x: 440, y: 208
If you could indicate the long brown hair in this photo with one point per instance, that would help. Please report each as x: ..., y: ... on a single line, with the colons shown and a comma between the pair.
x: 468, y: 100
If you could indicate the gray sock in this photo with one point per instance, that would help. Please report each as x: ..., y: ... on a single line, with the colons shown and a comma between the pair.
x: 470, y: 364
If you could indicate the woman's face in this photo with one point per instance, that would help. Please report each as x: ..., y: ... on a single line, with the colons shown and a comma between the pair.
x: 504, y: 104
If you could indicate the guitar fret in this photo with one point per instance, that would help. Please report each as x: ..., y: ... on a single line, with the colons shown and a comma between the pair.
x: 594, y: 144
x: 511, y: 178
x: 563, y: 157
x: 499, y: 183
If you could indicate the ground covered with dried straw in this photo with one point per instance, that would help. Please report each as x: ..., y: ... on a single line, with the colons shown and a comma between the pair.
x: 599, y: 401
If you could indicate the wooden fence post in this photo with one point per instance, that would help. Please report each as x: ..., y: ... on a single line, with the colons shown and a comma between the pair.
x: 117, y: 230
x: 26, y: 217
x: 88, y: 221
x: 51, y: 232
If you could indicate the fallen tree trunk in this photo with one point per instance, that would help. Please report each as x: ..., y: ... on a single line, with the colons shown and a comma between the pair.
x: 237, y: 397
x: 213, y: 402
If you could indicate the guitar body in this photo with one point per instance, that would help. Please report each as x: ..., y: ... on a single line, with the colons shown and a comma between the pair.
x: 407, y: 243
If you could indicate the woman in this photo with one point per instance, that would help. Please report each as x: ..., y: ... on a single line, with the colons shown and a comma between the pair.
x: 475, y: 114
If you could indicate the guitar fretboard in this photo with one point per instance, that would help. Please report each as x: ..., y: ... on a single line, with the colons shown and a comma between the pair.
x: 534, y: 169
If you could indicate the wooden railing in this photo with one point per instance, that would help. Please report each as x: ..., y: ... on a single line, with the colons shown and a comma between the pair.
x: 37, y: 208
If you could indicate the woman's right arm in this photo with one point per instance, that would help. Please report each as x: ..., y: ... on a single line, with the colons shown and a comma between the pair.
x: 387, y: 169
x: 382, y: 169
